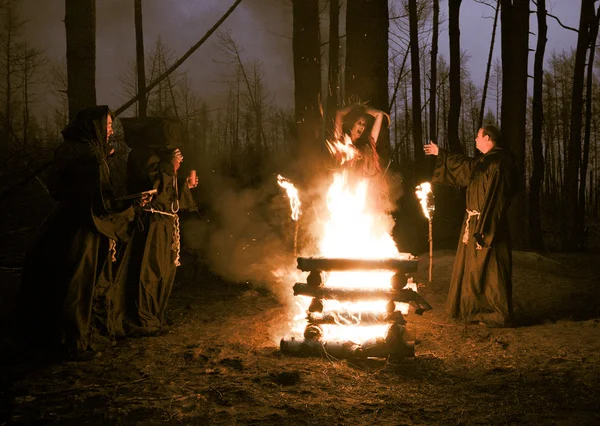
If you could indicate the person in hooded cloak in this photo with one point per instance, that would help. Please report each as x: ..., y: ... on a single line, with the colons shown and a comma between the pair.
x: 71, y: 262
x: 147, y: 272
x: 481, y: 283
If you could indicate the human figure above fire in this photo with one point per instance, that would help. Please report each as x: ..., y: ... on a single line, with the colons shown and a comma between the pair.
x: 481, y: 284
x: 356, y: 131
x: 362, y: 124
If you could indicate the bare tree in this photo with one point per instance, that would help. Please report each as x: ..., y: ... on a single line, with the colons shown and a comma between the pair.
x: 515, y: 51
x: 307, y: 76
x: 489, y: 62
x: 140, y: 58
x: 455, y: 99
x: 537, y: 176
x: 571, y: 232
x: 80, y: 25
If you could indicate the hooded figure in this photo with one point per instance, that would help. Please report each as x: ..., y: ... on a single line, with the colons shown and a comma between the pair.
x: 147, y: 273
x: 70, y: 266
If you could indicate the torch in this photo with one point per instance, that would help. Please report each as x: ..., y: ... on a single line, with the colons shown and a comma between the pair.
x: 425, y: 196
x: 292, y: 194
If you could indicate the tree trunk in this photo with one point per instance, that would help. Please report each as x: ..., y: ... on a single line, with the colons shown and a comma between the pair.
x: 80, y: 25
x: 489, y: 66
x: 433, y: 84
x: 515, y: 50
x: 537, y: 176
x: 586, y: 138
x: 415, y: 68
x: 570, y: 231
x: 333, y: 75
x: 366, y: 76
x: 307, y: 77
x: 455, y: 98
x: 140, y: 58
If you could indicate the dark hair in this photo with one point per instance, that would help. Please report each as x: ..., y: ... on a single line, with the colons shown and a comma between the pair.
x: 356, y: 112
x: 493, y: 132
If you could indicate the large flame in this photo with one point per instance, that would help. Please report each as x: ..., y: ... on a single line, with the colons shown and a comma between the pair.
x: 292, y: 194
x: 354, y: 230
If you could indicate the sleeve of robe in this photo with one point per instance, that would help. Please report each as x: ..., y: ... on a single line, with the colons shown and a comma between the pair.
x: 452, y: 169
x: 500, y: 190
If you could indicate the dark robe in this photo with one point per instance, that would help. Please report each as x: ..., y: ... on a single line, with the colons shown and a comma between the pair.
x: 150, y: 262
x: 481, y: 284
x: 70, y: 265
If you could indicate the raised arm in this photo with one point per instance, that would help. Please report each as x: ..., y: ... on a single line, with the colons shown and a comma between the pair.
x: 378, y: 115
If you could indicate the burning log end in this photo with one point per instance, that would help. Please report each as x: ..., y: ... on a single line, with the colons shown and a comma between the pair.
x: 316, y: 305
x: 314, y: 279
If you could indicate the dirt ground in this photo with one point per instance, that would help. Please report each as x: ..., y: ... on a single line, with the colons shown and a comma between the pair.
x: 218, y: 362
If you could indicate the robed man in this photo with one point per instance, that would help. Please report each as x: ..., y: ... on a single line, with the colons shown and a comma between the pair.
x: 481, y: 284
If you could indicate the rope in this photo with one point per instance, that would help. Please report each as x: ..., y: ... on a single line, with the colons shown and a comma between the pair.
x: 470, y: 213
x: 176, y: 246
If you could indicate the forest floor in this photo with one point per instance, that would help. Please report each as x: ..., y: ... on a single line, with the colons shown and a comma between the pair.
x: 218, y: 362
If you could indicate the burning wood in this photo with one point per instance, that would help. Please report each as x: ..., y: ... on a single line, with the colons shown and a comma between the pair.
x: 328, y: 264
x: 355, y: 318
x: 357, y: 291
x: 354, y: 295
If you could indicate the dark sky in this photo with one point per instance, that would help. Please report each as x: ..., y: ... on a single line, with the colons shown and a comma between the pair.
x: 263, y: 28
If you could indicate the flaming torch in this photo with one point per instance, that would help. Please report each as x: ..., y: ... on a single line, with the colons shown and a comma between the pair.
x: 425, y: 195
x: 295, y: 204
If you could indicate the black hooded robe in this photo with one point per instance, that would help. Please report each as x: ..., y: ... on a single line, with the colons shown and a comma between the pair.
x: 481, y: 283
x: 72, y: 256
x: 147, y: 273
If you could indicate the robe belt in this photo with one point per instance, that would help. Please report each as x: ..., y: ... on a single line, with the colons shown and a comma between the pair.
x: 470, y: 213
x: 176, y: 246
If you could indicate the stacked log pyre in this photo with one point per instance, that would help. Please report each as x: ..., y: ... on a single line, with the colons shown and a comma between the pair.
x: 399, y: 339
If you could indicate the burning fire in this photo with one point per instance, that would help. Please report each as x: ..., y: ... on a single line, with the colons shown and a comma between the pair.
x: 342, y: 149
x: 292, y: 194
x: 426, y: 198
x: 353, y: 231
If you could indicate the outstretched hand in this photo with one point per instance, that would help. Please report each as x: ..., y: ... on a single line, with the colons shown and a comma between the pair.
x: 431, y: 149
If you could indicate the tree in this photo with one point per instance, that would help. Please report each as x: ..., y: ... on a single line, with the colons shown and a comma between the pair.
x: 537, y: 176
x: 593, y: 35
x: 333, y: 73
x: 489, y: 63
x: 454, y: 78
x: 571, y: 232
x: 367, y: 24
x: 433, y: 127
x: 417, y: 130
x: 307, y: 76
x: 514, y: 16
x: 80, y: 25
x: 140, y: 59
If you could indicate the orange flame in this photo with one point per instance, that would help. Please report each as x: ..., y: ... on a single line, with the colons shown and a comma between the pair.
x: 425, y: 196
x: 292, y: 194
x: 354, y: 230
x: 343, y: 150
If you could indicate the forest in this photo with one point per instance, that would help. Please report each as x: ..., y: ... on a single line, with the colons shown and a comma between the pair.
x: 237, y: 251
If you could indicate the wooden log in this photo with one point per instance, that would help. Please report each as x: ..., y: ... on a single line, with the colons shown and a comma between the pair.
x: 355, y: 318
x: 331, y: 264
x: 356, y: 295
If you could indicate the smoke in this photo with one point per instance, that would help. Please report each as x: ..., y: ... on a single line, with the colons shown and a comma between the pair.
x: 247, y: 234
